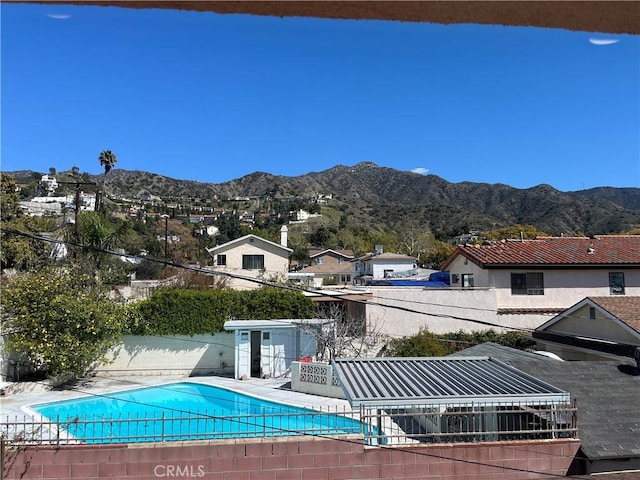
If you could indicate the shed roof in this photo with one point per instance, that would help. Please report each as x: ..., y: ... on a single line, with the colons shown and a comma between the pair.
x: 402, y: 382
x: 270, y: 324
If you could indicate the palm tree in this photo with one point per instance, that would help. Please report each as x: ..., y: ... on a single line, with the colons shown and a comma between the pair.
x: 107, y: 159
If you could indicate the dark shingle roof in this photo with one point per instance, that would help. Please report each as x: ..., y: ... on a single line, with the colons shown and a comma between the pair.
x: 556, y: 251
x: 502, y: 353
x: 626, y: 309
x: 607, y: 397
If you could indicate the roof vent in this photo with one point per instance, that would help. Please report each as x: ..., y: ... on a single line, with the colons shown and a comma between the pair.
x: 591, y: 251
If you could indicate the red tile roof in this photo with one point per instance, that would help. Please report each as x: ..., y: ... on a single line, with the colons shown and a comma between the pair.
x: 621, y: 250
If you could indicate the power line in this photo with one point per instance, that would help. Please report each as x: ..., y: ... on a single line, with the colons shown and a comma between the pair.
x: 257, y: 280
x: 265, y: 283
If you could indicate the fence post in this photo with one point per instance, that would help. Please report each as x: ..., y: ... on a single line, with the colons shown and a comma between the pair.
x: 162, y: 428
x: 1, y: 457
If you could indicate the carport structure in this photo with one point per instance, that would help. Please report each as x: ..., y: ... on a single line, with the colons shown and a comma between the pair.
x: 448, y: 399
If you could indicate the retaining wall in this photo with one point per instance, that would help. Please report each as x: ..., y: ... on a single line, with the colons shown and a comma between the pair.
x: 308, y: 458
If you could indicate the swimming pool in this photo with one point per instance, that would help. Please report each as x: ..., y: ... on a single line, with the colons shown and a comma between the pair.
x: 188, y: 411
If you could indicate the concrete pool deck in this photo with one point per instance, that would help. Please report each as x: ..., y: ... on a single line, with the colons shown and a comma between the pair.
x: 17, y: 404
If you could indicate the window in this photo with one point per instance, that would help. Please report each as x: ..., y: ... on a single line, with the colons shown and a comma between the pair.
x: 320, y: 261
x: 616, y: 283
x: 221, y: 260
x: 527, y: 283
x: 592, y: 313
x: 252, y: 262
x: 388, y: 273
x: 467, y: 280
x: 341, y: 261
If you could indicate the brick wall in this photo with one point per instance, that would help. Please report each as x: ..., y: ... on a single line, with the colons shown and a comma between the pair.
x: 297, y: 459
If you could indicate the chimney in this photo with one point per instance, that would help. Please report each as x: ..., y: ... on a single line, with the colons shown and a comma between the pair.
x: 284, y: 231
x: 378, y: 249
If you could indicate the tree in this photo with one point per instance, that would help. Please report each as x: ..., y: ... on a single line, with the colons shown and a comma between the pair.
x: 98, y: 235
x: 20, y: 251
x: 414, y: 242
x: 8, y: 198
x: 57, y: 322
x: 514, y: 232
x: 107, y: 159
x: 229, y: 226
x: 423, y: 344
x: 438, y: 253
x: 342, y: 333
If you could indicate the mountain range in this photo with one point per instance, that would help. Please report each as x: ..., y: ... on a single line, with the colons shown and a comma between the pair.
x: 382, y: 197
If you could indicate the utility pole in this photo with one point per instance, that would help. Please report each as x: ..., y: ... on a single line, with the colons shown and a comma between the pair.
x: 78, y: 183
x: 166, y: 233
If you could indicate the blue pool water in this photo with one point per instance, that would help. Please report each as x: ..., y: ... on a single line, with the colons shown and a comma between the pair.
x: 188, y: 411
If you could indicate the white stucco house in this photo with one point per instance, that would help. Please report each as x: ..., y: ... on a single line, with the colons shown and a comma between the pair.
x: 380, y: 265
x: 512, y: 284
x: 549, y: 273
x: 252, y: 257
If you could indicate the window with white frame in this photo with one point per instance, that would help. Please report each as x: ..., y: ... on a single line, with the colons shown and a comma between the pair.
x: 252, y: 262
x: 467, y: 280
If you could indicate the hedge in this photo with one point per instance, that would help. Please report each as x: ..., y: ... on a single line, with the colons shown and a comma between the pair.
x: 182, y: 311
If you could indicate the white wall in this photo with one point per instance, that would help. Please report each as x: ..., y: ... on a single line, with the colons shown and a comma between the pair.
x: 562, y: 288
x: 174, y: 355
x: 437, y: 310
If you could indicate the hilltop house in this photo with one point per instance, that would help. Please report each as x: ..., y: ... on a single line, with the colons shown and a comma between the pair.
x: 252, y: 257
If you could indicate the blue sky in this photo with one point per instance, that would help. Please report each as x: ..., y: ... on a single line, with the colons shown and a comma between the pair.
x: 209, y: 97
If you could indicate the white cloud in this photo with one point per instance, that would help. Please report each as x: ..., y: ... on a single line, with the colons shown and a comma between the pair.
x: 420, y: 170
x: 603, y: 41
x: 58, y: 16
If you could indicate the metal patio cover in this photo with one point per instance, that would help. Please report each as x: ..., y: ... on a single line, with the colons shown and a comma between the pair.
x: 403, y: 382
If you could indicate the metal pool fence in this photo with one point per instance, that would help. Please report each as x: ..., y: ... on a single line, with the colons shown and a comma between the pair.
x: 380, y: 426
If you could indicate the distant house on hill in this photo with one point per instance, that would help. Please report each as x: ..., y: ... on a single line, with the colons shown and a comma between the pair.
x: 48, y: 185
